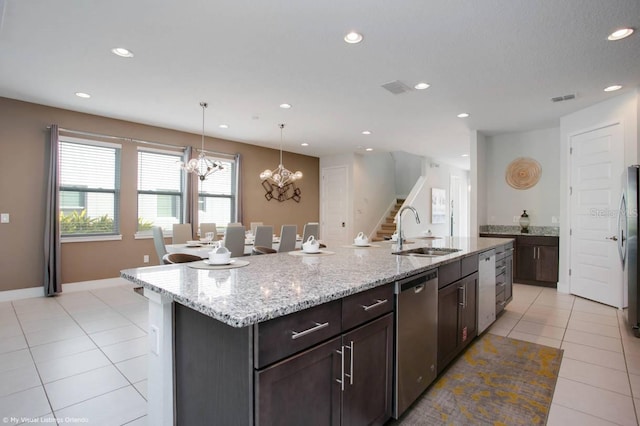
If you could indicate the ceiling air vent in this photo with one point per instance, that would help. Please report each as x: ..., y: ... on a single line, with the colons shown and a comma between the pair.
x: 396, y: 87
x: 563, y: 98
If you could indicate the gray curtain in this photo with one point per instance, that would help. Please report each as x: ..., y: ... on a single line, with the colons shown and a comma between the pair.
x: 52, y: 277
x: 239, y: 188
x: 191, y: 191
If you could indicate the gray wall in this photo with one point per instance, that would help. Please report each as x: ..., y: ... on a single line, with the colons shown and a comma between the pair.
x: 408, y: 168
x: 542, y: 201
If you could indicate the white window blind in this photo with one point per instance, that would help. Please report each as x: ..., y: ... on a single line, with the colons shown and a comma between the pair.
x: 89, y: 187
x: 217, y: 196
x: 160, y: 198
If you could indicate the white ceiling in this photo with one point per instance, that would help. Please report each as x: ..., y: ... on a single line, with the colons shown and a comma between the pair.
x: 499, y: 60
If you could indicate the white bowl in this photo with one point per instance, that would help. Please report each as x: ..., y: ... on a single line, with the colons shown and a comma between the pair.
x: 219, y: 258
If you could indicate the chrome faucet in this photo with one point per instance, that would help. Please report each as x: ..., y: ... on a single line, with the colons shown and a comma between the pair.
x: 400, y: 236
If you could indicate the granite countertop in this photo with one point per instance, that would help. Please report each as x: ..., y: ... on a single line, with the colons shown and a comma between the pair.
x: 537, y: 231
x: 279, y: 284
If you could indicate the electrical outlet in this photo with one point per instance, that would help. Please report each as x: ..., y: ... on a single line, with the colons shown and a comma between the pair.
x: 146, y: 258
x: 516, y: 219
x: 4, y: 218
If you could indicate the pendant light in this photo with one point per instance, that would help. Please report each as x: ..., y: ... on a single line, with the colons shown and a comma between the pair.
x: 280, y: 176
x: 201, y: 166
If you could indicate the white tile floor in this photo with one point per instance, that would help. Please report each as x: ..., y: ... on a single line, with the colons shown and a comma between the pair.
x: 83, y: 356
x: 79, y: 357
x: 599, y: 381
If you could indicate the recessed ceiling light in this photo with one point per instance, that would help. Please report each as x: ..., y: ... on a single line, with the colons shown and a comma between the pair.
x: 353, y: 37
x: 463, y: 115
x: 285, y: 106
x: 83, y: 95
x: 369, y: 149
x: 620, y: 34
x: 304, y: 144
x: 121, y: 51
x: 421, y: 86
x: 224, y: 126
x: 366, y: 132
x: 613, y: 88
x: 465, y: 155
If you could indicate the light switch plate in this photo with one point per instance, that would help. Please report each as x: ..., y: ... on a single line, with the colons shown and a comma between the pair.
x: 4, y: 218
x: 154, y: 340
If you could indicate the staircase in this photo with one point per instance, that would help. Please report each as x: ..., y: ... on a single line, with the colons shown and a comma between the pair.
x: 387, y: 229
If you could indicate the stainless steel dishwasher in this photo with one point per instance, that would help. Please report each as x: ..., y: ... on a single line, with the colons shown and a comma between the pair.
x: 416, y: 300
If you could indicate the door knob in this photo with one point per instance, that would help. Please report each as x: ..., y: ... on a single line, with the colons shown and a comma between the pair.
x: 614, y: 238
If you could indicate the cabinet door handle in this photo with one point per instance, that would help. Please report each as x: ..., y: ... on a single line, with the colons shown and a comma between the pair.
x: 375, y: 305
x: 464, y: 296
x: 341, y: 379
x: 299, y: 334
x: 350, y: 375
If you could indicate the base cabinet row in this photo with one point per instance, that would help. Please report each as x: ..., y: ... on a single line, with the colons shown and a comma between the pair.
x: 345, y: 381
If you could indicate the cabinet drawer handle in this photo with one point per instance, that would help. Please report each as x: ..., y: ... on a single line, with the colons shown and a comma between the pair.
x: 375, y: 305
x: 318, y: 326
x: 503, y: 285
x: 501, y: 270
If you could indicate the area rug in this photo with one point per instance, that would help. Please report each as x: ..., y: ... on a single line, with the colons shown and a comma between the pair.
x: 496, y: 381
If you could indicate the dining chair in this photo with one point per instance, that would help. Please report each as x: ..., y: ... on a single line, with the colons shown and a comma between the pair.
x: 234, y: 224
x: 182, y: 233
x: 287, y: 238
x: 254, y: 225
x: 262, y: 250
x: 311, y: 228
x: 180, y: 258
x: 263, y: 236
x: 158, y: 241
x: 208, y: 227
x: 234, y: 240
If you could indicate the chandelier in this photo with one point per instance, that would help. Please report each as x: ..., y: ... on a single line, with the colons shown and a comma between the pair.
x: 280, y: 176
x: 201, y: 166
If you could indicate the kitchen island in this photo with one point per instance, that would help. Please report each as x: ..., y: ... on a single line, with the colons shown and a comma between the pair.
x: 207, y: 327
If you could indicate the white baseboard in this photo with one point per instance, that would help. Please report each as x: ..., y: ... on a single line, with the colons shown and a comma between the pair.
x: 23, y: 293
x: 26, y: 293
x: 94, y: 284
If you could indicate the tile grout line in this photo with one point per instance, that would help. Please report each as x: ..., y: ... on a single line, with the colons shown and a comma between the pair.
x: 34, y: 363
x: 624, y: 355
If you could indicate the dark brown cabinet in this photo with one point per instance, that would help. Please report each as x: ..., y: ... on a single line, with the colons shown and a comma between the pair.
x: 537, y: 260
x: 457, y: 318
x: 302, y: 389
x: 345, y: 381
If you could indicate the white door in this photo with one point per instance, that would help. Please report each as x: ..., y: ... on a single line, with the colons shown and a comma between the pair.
x: 334, y: 210
x: 597, y: 163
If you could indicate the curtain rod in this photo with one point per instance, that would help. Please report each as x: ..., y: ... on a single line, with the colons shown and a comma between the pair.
x: 121, y: 138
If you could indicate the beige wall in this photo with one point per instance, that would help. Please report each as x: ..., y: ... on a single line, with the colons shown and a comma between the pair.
x: 23, y: 175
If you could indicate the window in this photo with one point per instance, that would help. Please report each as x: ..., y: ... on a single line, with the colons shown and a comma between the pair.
x: 89, y: 187
x: 218, y: 195
x: 160, y: 198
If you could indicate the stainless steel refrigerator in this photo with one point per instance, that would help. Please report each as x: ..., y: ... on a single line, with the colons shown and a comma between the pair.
x: 628, y: 242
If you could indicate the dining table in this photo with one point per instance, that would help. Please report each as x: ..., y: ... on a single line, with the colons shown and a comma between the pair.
x: 202, y: 249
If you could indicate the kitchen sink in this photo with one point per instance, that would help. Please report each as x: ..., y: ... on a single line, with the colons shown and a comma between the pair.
x: 427, y: 251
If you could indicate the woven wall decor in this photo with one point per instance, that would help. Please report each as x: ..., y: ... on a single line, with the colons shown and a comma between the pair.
x: 523, y: 173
